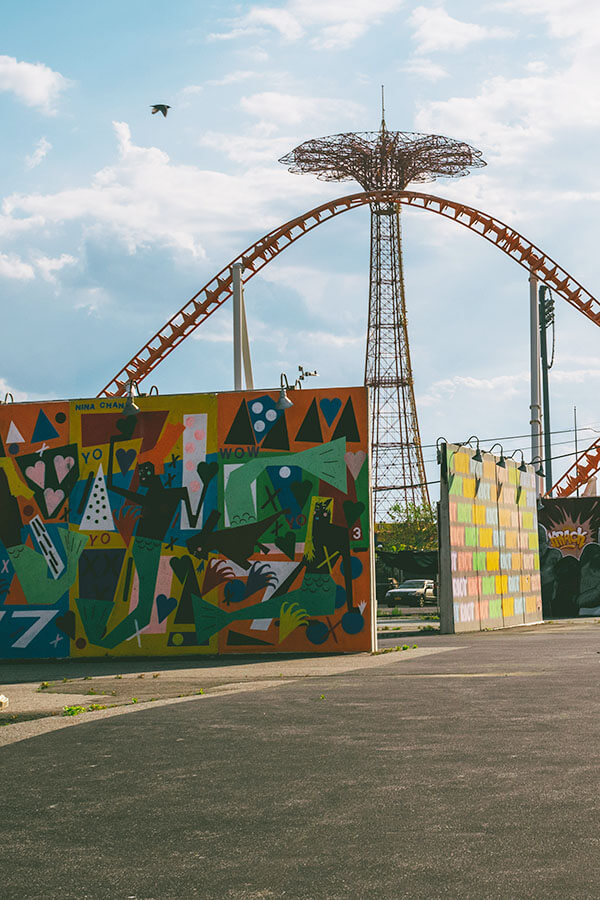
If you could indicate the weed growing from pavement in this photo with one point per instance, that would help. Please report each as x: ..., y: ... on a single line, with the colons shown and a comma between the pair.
x: 393, y: 649
x: 427, y: 628
x: 73, y: 710
x: 156, y: 674
x: 44, y: 686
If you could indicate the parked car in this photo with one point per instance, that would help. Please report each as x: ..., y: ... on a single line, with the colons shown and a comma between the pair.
x: 417, y: 592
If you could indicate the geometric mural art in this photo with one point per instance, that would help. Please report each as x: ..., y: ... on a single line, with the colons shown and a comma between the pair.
x: 489, y: 557
x: 205, y: 523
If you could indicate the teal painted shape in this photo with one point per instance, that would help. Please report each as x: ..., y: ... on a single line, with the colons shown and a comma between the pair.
x: 330, y: 408
x: 44, y: 429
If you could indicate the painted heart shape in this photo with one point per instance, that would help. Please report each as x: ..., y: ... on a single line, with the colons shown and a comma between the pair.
x: 62, y: 466
x: 126, y: 426
x: 165, y: 606
x: 181, y: 566
x: 66, y: 624
x: 53, y: 499
x: 207, y: 471
x: 352, y: 511
x: 354, y: 462
x: 287, y: 544
x: 37, y: 473
x: 330, y: 408
x: 301, y: 491
x: 124, y: 459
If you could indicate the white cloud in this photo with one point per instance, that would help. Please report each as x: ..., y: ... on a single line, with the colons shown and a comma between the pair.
x: 18, y: 396
x: 329, y: 25
x: 48, y: 265
x: 12, y: 266
x: 435, y: 30
x: 248, y: 149
x: 33, y: 83
x: 145, y: 198
x: 441, y: 392
x: 291, y: 109
x: 41, y: 150
x: 425, y: 69
x: 233, y: 77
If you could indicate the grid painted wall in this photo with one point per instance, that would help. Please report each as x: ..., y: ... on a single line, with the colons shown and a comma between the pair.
x: 489, y: 554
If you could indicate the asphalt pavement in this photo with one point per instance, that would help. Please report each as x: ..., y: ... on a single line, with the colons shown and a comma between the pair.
x: 465, y: 767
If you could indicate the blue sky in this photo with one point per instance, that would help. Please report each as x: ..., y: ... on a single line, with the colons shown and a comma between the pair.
x: 111, y: 218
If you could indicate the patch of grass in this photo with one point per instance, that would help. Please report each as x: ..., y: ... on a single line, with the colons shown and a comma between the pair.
x: 91, y: 691
x: 44, y: 686
x: 73, y: 710
x: 134, y: 700
x: 155, y: 674
x: 118, y: 676
x: 142, y: 675
x: 415, y: 646
x: 201, y: 691
x: 87, y: 677
x: 405, y: 647
x: 97, y: 706
x: 427, y: 628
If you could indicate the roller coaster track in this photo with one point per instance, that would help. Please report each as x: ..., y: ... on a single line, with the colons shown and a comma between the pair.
x: 219, y: 289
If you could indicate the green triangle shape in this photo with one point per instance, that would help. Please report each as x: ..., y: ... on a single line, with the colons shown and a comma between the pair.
x: 277, y: 438
x: 241, y: 431
x: 347, y: 427
x: 310, y: 430
x: 234, y: 639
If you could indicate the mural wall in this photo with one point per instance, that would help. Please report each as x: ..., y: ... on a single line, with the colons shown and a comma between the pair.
x: 489, y: 560
x: 570, y: 557
x: 204, y: 523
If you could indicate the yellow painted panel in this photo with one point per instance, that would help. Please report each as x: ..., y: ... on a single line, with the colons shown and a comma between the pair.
x: 492, y: 562
x: 508, y: 606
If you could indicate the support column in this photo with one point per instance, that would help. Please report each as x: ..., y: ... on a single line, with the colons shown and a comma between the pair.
x: 236, y: 279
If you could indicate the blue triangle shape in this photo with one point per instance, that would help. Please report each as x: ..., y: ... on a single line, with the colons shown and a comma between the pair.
x: 44, y: 429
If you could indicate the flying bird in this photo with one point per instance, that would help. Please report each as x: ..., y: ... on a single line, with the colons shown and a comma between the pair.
x: 160, y: 107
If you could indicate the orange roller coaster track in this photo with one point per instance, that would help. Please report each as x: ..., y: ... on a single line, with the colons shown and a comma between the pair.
x: 218, y: 290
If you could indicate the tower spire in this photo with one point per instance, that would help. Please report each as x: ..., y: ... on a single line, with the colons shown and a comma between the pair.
x: 383, y: 126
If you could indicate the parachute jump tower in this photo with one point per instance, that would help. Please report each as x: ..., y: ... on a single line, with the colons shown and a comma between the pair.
x: 388, y: 161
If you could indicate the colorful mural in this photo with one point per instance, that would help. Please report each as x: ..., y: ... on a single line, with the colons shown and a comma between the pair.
x: 204, y: 523
x: 489, y: 560
x: 570, y: 556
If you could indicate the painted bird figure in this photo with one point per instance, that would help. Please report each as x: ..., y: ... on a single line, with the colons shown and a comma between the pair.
x: 160, y: 107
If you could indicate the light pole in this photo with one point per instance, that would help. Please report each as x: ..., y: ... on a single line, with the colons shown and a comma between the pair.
x: 546, y: 308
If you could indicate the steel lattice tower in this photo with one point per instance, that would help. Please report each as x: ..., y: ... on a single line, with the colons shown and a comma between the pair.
x: 398, y: 470
x: 379, y: 161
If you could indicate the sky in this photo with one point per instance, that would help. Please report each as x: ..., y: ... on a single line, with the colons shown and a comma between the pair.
x: 112, y: 218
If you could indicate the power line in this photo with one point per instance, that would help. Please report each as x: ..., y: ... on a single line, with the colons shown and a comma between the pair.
x: 515, y: 437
